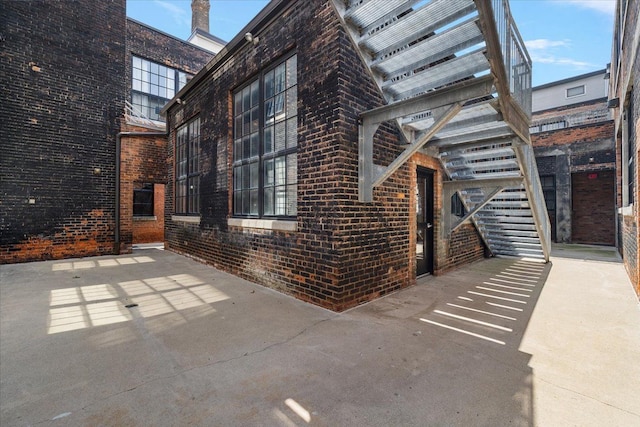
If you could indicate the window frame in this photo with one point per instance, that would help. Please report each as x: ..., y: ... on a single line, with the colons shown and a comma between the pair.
x: 147, y: 188
x: 584, y: 91
x: 154, y: 101
x: 187, y: 168
x: 266, y: 164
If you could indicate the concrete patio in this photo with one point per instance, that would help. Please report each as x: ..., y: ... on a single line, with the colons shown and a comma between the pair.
x: 499, y: 342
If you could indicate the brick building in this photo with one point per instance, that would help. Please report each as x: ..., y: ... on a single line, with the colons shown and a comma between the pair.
x: 572, y: 135
x: 300, y: 162
x: 624, y: 100
x: 66, y: 72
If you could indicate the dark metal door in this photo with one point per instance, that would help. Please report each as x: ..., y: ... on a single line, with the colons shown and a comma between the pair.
x: 424, y: 225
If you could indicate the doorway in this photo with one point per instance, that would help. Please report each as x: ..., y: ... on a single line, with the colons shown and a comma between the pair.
x: 424, y: 223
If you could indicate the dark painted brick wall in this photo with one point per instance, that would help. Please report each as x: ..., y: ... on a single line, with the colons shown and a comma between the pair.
x: 61, y: 72
x: 344, y: 252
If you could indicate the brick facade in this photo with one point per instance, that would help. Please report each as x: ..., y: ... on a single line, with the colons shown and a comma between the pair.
x: 342, y: 252
x: 61, y: 74
x: 144, y: 157
x: 569, y: 155
x: 624, y: 88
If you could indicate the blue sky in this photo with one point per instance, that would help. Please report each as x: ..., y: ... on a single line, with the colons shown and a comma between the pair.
x: 565, y: 38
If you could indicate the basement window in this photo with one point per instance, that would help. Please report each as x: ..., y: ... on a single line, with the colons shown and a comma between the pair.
x: 575, y: 91
x: 143, y: 199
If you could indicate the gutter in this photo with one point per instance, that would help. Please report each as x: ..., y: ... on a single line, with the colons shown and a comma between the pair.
x: 118, y: 161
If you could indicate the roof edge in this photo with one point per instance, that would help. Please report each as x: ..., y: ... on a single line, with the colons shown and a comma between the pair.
x: 260, y: 20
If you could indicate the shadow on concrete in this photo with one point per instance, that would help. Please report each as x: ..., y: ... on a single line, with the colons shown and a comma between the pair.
x: 471, y: 323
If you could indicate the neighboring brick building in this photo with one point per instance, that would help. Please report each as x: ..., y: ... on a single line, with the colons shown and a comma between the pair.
x: 144, y: 157
x: 572, y: 134
x: 66, y: 72
x: 264, y: 147
x: 62, y: 76
x: 624, y: 98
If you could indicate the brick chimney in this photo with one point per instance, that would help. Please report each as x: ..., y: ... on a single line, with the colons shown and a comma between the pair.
x: 200, y: 15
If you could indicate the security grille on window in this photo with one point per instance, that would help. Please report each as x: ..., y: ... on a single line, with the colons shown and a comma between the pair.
x: 143, y: 199
x: 265, y: 144
x: 153, y: 85
x: 187, y: 199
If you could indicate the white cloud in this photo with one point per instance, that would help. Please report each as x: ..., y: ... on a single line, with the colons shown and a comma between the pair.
x: 543, y: 44
x: 180, y: 16
x: 546, y: 51
x: 603, y: 6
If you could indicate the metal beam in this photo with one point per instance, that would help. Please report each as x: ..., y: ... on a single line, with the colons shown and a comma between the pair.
x: 413, y: 148
x: 460, y: 92
x: 481, y: 183
x: 473, y: 211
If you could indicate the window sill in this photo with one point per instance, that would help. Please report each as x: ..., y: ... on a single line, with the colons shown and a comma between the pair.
x: 264, y: 224
x: 186, y: 219
x: 145, y: 218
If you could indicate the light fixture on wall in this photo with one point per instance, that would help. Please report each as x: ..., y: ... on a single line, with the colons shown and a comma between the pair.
x: 251, y: 38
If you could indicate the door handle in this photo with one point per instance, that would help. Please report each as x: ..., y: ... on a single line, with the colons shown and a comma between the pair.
x: 429, y: 225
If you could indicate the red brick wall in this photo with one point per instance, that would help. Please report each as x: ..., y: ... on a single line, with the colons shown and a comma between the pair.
x: 572, y: 135
x: 151, y: 230
x: 593, y: 210
x: 143, y: 160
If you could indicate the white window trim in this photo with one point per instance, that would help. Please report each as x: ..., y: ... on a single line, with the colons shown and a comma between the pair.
x: 186, y: 218
x: 264, y: 224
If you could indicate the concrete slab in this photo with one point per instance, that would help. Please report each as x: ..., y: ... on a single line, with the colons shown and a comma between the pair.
x: 499, y: 342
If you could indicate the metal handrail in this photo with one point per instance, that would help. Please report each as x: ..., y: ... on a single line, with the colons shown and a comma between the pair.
x: 517, y: 61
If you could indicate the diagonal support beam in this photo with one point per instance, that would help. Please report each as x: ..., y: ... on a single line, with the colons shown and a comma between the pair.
x: 473, y: 211
x: 440, y: 122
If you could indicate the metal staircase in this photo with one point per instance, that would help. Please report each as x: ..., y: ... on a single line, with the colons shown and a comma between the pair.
x: 457, y: 80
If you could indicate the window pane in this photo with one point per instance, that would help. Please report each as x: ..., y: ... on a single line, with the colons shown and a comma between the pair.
x: 253, y: 197
x: 246, y: 176
x: 292, y: 132
x: 280, y: 171
x: 237, y: 107
x: 238, y: 126
x: 237, y: 203
x: 255, y: 93
x: 292, y: 69
x: 281, y: 200
x: 137, y: 62
x: 292, y: 169
x: 279, y: 79
x: 268, y: 111
x: 268, y: 201
x: 279, y: 106
x: 255, y: 119
x: 268, y: 139
x: 246, y: 122
x: 237, y: 178
x: 280, y: 134
x: 292, y: 102
x: 246, y: 99
x: 246, y: 147
x: 268, y: 173
x: 255, y: 175
x: 255, y: 144
x: 246, y: 202
x: 292, y: 195
x: 268, y: 85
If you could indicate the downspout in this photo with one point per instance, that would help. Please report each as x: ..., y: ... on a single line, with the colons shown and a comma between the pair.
x: 118, y: 160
